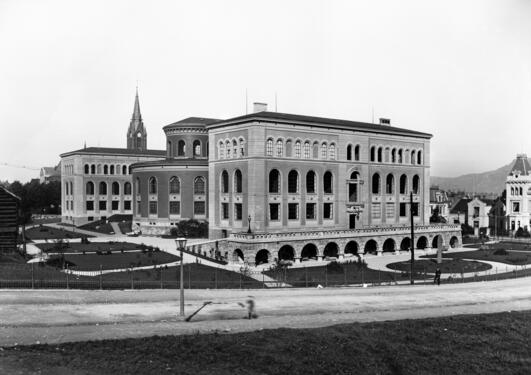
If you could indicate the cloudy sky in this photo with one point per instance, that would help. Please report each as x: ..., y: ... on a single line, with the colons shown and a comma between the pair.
x: 460, y: 70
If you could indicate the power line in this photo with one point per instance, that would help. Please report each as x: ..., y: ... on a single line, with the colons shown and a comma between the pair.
x: 20, y: 166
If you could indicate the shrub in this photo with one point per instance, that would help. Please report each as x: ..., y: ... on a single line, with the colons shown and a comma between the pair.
x: 521, y: 232
x: 334, y: 267
x: 501, y: 252
x: 190, y: 228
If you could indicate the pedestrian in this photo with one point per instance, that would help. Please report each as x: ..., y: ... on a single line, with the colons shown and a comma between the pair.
x: 437, y: 278
x: 250, y: 308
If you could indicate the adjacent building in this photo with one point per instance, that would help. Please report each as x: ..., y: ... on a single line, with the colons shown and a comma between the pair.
x: 439, y: 203
x: 518, y: 195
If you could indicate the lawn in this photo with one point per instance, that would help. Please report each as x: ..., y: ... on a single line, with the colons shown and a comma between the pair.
x: 44, y: 232
x: 99, y: 227
x: 465, y: 344
x: 90, y: 247
x: 495, y: 253
x: 447, y: 266
x: 117, y: 260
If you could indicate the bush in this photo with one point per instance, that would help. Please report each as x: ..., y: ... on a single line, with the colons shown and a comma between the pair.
x: 190, y: 229
x: 334, y: 267
x: 521, y: 232
x: 466, y: 229
x: 501, y: 252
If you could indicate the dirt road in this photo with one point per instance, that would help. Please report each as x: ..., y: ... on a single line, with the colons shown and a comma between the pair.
x: 50, y: 316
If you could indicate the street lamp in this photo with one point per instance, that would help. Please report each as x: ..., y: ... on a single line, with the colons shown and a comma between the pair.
x: 181, y: 244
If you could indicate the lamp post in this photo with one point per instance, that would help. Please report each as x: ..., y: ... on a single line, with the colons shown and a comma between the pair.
x: 181, y: 244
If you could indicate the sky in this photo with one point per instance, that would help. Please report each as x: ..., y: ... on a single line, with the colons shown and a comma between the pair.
x: 460, y: 70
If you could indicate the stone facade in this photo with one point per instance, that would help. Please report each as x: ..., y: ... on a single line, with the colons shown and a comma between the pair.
x: 518, y: 188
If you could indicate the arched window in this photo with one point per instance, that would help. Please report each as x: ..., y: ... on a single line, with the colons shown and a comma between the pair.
x: 390, y: 184
x: 293, y: 182
x: 127, y: 188
x: 349, y: 152
x: 224, y: 182
x: 416, y: 184
x: 298, y: 149
x: 274, y: 181
x: 181, y: 148
x: 221, y: 150
x: 90, y: 188
x: 315, y: 154
x: 280, y: 148
x: 289, y: 150
x: 111, y: 169
x: 103, y: 188
x: 393, y: 155
x: 124, y: 169
x: 400, y: 156
x: 521, y: 191
x: 234, y: 148
x: 373, y: 153
x: 105, y: 169
x: 197, y: 148
x: 175, y: 185
x: 92, y: 169
x: 328, y: 183
x: 238, y: 181
x: 332, y: 152
x: 512, y: 191
x: 324, y: 151
x: 357, y: 152
x: 380, y: 153
x: 413, y: 157
x: 419, y: 157
x: 152, y: 185
x: 403, y: 184
x: 376, y: 183
x: 98, y: 169
x: 269, y: 147
x: 66, y: 188
x: 228, y: 149
x: 199, y: 185
x: 242, y: 147
x: 87, y: 168
x: 306, y: 150
x: 129, y: 170
x: 115, y: 188
x: 310, y: 182
x: 71, y: 188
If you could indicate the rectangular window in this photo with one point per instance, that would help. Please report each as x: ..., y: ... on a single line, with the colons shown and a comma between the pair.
x: 224, y: 211
x: 153, y: 207
x: 274, y: 211
x: 403, y: 209
x: 175, y: 208
x: 328, y: 211
x: 199, y: 208
x: 310, y: 211
x: 90, y: 205
x: 389, y: 210
x: 415, y: 209
x: 516, y: 206
x: 376, y: 210
x: 138, y: 207
x: 103, y: 205
x: 127, y: 205
x: 115, y: 205
x: 293, y: 211
x: 238, y: 211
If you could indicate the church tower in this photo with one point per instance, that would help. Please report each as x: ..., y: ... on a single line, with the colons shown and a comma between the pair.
x: 136, y: 135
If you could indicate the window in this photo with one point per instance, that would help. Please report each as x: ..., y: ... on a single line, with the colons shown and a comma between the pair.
x: 280, y: 148
x: 376, y: 210
x: 224, y: 182
x: 310, y: 182
x: 289, y: 153
x: 175, y: 185
x: 403, y: 184
x: 152, y: 185
x: 315, y: 150
x: 238, y: 211
x: 224, y: 211
x: 197, y: 148
x: 115, y: 188
x: 274, y: 181
x: 228, y: 149
x: 380, y: 152
x: 403, y: 210
x: 349, y: 152
x: 175, y: 208
x: 103, y: 188
x: 332, y: 152
x: 416, y: 183
x: 373, y: 153
x: 86, y: 169
x: 127, y: 188
x: 221, y: 150
x: 199, y: 208
x: 298, y: 149
x: 419, y: 157
x: 234, y: 149
x: 328, y: 183
x: 153, y: 207
x: 400, y: 158
x: 269, y: 147
x: 137, y: 185
x: 324, y: 151
x: 127, y: 205
x: 357, y: 152
x: 293, y: 211
x: 310, y: 211
x: 293, y: 182
x: 115, y: 205
x: 238, y: 186
x: 415, y: 209
x: 274, y: 211
x: 516, y: 207
x: 393, y: 155
x: 103, y: 205
x: 328, y: 212
x: 353, y: 187
x: 90, y: 205
x: 92, y: 169
x: 389, y: 210
x: 306, y: 150
x: 242, y: 147
x: 376, y: 183
x: 124, y: 169
x: 111, y: 169
x: 105, y: 169
x: 199, y: 185
x: 390, y: 184
x: 181, y: 148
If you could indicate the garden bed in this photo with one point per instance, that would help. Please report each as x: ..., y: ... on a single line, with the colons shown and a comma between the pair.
x: 447, y: 266
x: 44, y: 232
x: 493, y: 253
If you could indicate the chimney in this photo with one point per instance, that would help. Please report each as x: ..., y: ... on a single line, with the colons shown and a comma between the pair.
x: 259, y: 107
x: 385, y: 121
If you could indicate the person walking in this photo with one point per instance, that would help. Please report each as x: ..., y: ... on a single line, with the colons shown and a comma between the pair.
x: 437, y: 278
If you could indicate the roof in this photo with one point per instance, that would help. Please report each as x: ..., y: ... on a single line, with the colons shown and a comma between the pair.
x: 10, y: 193
x: 461, y: 206
x: 194, y: 121
x: 116, y: 151
x: 520, y: 166
x: 52, y: 171
x: 171, y: 163
x: 319, y: 122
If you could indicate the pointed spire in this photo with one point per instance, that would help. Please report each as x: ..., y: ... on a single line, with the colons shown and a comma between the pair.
x: 136, y: 110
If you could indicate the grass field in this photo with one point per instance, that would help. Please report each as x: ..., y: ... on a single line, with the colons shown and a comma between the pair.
x: 48, y: 233
x: 91, y: 247
x: 467, y: 344
x: 447, y: 266
x: 496, y: 253
x: 93, y: 262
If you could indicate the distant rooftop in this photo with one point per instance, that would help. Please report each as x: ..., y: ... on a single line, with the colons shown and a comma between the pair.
x: 116, y: 151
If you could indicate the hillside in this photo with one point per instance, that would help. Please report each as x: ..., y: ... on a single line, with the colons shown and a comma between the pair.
x: 486, y: 182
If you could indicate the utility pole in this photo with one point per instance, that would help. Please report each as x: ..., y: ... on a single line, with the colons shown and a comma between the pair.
x: 412, y: 238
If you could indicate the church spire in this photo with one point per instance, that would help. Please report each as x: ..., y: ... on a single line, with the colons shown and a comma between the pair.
x: 136, y: 110
x: 136, y: 134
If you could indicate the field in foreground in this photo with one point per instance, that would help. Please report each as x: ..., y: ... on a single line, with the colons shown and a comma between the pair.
x: 469, y: 344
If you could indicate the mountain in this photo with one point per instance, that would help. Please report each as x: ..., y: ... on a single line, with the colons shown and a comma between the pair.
x: 486, y: 182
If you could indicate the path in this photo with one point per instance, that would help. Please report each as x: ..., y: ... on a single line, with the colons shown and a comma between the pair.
x: 116, y: 228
